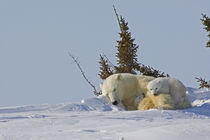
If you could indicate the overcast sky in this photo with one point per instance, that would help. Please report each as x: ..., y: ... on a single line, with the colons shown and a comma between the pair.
x: 35, y: 37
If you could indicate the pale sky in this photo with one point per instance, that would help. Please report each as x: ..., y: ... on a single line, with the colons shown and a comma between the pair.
x: 35, y: 37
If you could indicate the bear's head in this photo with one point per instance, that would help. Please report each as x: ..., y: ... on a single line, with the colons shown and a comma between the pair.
x: 109, y: 89
x: 154, y: 86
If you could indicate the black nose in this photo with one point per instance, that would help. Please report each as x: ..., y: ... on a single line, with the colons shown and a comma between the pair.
x: 156, y: 94
x: 115, y: 103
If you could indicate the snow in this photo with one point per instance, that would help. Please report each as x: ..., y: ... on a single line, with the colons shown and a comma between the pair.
x: 95, y: 119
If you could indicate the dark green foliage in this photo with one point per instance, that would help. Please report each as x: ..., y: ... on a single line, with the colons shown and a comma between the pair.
x: 105, y: 69
x: 203, y: 83
x: 126, y: 55
x: 206, y: 22
x: 149, y: 71
x: 127, y: 61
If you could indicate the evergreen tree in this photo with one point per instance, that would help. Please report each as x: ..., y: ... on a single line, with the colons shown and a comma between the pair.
x: 203, y: 83
x: 149, y: 71
x: 127, y: 61
x: 206, y: 22
x: 105, y: 69
x: 126, y: 55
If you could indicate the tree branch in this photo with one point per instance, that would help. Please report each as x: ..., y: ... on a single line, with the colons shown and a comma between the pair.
x: 83, y: 74
x: 203, y: 83
x: 117, y: 17
x: 108, y: 60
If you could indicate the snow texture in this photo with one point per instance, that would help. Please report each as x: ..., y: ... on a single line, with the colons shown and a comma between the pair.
x: 95, y: 119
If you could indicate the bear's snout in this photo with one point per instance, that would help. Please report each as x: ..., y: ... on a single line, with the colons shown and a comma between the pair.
x: 155, y: 94
x: 115, y: 103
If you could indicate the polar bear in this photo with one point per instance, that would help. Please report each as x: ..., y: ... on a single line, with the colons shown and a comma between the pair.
x: 170, y: 93
x: 123, y: 88
x: 161, y: 101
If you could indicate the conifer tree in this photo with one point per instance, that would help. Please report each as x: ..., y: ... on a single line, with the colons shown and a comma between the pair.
x: 127, y: 57
x: 203, y: 83
x: 127, y: 61
x: 150, y: 71
x: 206, y: 22
x: 105, y: 68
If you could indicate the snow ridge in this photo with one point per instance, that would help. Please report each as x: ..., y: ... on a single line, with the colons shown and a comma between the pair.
x: 95, y: 118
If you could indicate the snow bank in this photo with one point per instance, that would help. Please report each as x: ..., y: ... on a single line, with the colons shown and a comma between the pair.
x: 95, y: 118
x: 200, y: 99
x: 91, y: 104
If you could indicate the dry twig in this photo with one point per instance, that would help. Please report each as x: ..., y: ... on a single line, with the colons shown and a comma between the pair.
x: 83, y: 74
x: 108, y: 60
x: 117, y: 17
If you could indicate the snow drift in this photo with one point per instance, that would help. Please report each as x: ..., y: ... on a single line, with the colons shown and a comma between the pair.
x: 95, y: 118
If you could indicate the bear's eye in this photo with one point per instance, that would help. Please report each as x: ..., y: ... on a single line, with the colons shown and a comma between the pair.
x: 155, y: 88
x: 114, y: 89
x: 150, y: 89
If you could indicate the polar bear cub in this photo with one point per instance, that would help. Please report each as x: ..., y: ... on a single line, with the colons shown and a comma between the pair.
x: 161, y: 101
x: 170, y: 86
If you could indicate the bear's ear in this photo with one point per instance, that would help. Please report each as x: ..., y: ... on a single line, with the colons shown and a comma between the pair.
x: 101, y: 85
x: 118, y: 77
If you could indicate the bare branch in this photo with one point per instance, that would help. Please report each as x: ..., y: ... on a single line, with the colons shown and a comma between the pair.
x: 117, y: 17
x: 108, y: 60
x: 83, y: 74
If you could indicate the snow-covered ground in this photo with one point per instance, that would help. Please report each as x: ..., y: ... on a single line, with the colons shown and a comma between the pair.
x: 96, y: 119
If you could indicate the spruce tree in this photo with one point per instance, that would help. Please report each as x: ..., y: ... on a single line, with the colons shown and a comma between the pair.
x: 105, y: 68
x: 203, y: 83
x: 126, y: 51
x: 127, y: 61
x: 206, y: 22
x: 150, y: 71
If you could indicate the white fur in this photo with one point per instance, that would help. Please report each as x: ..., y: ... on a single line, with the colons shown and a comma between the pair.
x: 171, y: 86
x: 125, y: 88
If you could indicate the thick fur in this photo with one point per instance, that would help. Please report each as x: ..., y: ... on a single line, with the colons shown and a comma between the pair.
x: 161, y: 101
x: 124, y: 88
x: 165, y: 93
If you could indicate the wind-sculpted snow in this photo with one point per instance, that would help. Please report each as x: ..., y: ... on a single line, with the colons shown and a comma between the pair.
x: 200, y: 99
x: 92, y: 104
x: 26, y: 108
x: 95, y: 118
